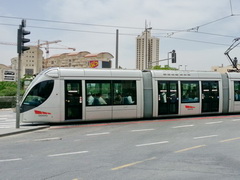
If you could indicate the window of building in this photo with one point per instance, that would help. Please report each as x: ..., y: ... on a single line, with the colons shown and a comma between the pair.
x: 29, y: 71
x: 190, y: 91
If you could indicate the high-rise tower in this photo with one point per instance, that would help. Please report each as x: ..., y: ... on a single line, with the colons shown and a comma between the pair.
x: 147, y: 50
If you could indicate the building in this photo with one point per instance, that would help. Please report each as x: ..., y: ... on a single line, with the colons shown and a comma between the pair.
x: 6, y: 73
x: 83, y: 59
x: 223, y: 69
x: 100, y: 60
x: 75, y: 59
x: 147, y: 51
x: 31, y: 61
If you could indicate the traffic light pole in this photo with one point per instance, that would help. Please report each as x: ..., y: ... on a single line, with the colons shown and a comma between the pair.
x: 20, y: 49
x: 173, y: 58
x: 18, y: 92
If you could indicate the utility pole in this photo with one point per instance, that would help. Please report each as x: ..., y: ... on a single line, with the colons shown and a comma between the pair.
x: 116, y: 56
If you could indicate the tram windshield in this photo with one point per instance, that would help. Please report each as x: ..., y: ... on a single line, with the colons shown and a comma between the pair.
x: 37, y: 95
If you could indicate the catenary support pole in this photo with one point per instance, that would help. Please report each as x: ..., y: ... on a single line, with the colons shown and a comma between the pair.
x: 116, y: 56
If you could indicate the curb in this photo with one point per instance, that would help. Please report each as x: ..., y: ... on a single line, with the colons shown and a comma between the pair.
x: 23, y: 131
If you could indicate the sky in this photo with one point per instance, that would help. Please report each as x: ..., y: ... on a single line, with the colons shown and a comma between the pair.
x: 199, y: 30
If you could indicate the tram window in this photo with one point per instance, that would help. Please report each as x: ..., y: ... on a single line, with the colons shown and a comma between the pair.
x: 190, y: 91
x: 237, y: 90
x: 124, y: 92
x: 98, y: 93
x: 37, y: 95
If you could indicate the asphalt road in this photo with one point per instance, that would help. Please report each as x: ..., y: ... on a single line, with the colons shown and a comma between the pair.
x: 7, y: 119
x: 187, y: 148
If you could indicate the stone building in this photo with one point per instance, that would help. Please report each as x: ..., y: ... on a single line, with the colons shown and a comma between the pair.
x: 31, y: 61
x: 83, y: 59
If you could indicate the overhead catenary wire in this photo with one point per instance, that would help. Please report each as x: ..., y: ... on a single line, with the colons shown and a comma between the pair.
x: 196, y: 28
x: 112, y: 33
x: 167, y: 34
x: 197, y: 41
x: 73, y: 23
x: 127, y: 34
x: 118, y: 26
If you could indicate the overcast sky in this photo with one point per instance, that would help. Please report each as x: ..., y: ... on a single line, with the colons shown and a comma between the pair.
x: 199, y: 30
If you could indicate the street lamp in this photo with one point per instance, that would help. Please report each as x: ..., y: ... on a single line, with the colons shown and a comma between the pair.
x: 179, y: 67
x: 185, y: 67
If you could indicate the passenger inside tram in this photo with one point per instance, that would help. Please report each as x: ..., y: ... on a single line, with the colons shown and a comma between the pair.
x: 90, y: 99
x: 101, y: 99
x: 118, y: 99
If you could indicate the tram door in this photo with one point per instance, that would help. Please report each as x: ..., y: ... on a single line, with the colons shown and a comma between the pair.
x: 167, y: 97
x: 73, y: 99
x: 210, y: 96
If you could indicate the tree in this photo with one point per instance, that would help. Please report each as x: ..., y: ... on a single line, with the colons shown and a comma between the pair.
x: 8, y: 88
x: 166, y: 67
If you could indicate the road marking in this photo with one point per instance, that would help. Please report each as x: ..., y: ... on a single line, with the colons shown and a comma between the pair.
x: 190, y: 125
x: 66, y: 154
x: 97, y: 134
x: 9, y: 160
x: 5, y: 122
x: 10, y: 120
x: 49, y: 139
x: 227, y: 140
x: 149, y: 144
x: 201, y: 137
x: 141, y: 130
x: 4, y: 127
x: 7, y: 115
x: 132, y: 164
x: 236, y: 120
x: 191, y: 148
x: 215, y: 122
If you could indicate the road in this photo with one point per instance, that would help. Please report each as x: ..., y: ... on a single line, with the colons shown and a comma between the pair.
x: 182, y: 148
x: 7, y: 119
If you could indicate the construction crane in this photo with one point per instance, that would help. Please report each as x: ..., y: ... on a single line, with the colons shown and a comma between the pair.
x: 234, y: 61
x: 74, y: 49
x: 47, y: 45
x: 40, y: 45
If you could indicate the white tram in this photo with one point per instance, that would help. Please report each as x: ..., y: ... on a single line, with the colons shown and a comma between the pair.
x: 64, y: 94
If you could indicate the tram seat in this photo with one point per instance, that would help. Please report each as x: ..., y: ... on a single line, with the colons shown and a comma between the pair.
x: 125, y: 100
x: 96, y: 102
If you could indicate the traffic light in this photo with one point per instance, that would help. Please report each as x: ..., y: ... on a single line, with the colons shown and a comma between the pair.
x: 174, y: 56
x: 21, y: 39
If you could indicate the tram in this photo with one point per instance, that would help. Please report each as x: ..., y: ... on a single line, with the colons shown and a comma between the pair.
x: 65, y: 94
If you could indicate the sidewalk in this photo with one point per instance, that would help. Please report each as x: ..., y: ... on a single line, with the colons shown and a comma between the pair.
x: 8, y: 124
x: 13, y: 131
